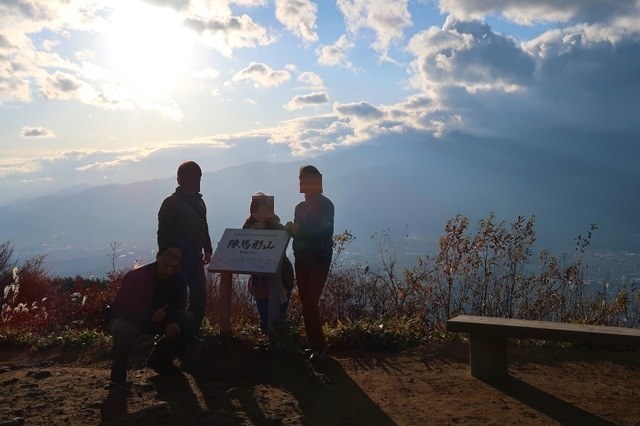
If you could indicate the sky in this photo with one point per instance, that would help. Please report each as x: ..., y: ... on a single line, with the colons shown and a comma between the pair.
x: 112, y: 91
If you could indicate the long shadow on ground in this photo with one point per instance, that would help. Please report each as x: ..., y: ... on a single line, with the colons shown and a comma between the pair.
x: 545, y: 403
x: 275, y: 387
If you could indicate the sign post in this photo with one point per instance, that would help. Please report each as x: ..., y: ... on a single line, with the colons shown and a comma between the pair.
x: 248, y: 251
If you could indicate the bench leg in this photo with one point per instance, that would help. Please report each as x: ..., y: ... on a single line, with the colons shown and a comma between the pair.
x: 488, y: 356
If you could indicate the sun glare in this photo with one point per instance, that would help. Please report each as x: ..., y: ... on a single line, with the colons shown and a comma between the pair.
x: 149, y: 47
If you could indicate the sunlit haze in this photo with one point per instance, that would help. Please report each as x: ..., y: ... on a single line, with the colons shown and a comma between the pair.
x: 154, y: 57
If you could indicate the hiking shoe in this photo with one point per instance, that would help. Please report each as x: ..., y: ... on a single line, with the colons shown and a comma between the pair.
x: 118, y: 372
x: 161, y: 363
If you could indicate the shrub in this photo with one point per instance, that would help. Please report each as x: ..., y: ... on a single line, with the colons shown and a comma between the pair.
x: 39, y: 303
x: 378, y: 305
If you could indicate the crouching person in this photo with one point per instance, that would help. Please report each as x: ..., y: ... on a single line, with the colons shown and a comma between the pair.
x: 151, y: 300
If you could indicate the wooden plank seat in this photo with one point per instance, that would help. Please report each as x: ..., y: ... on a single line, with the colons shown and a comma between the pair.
x: 488, y: 338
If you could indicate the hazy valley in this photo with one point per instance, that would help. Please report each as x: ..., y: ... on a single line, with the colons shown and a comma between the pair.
x: 410, y: 188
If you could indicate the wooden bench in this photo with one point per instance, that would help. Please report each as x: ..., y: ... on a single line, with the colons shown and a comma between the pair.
x: 488, y: 338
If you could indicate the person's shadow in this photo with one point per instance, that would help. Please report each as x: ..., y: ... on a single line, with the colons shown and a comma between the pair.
x: 273, y: 387
x: 176, y: 401
x: 351, y: 404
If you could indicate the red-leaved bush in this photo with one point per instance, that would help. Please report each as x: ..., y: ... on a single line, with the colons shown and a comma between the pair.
x: 36, y: 302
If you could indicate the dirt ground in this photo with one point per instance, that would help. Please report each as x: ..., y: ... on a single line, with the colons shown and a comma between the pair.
x: 229, y: 383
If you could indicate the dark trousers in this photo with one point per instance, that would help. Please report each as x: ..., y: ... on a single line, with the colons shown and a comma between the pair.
x: 126, y: 332
x: 263, y: 311
x: 193, y: 271
x: 311, y: 275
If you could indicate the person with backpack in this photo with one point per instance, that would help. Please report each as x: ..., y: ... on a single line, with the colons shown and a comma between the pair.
x: 182, y: 219
x: 262, y: 216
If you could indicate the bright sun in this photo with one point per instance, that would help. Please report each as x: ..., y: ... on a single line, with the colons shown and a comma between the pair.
x: 149, y: 47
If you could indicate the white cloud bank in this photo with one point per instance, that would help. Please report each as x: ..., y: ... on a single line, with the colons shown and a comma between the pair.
x: 529, y: 12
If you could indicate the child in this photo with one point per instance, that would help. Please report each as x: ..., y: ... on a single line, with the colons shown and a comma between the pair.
x: 262, y: 216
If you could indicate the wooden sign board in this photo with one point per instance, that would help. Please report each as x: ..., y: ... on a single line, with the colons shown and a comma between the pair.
x: 249, y: 251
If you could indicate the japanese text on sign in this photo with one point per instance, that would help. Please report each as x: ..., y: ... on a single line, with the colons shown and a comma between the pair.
x: 251, y: 244
x: 249, y: 251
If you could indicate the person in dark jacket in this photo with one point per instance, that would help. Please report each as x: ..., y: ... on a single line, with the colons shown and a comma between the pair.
x: 182, y: 219
x: 262, y: 216
x: 151, y: 300
x: 312, y: 233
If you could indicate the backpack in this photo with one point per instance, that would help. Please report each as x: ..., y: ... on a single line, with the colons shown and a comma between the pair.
x: 288, y: 276
x: 258, y: 287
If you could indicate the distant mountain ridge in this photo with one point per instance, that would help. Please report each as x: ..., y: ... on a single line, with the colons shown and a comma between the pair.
x: 402, y: 183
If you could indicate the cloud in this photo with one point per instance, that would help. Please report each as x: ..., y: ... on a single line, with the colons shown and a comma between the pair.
x: 358, y: 110
x: 58, y: 170
x: 262, y: 75
x: 299, y: 17
x: 312, y: 99
x: 4, y: 42
x: 387, y: 20
x: 527, y: 12
x: 167, y: 107
x: 354, y: 123
x: 227, y: 33
x: 484, y: 83
x: 65, y: 86
x: 18, y: 166
x: 174, y: 4
x: 469, y: 55
x: 91, y: 165
x: 43, y: 166
x: 587, y: 76
x: 85, y: 55
x: 13, y: 89
x: 61, y: 86
x: 33, y: 10
x: 308, y: 135
x: 15, y: 69
x: 49, y: 45
x: 250, y: 3
x: 59, y: 16
x: 423, y: 112
x: 336, y: 54
x: 312, y: 79
x: 36, y: 132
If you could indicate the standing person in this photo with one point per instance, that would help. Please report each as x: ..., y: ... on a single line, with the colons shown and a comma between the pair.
x: 183, y: 219
x: 262, y: 216
x: 151, y: 300
x: 312, y: 233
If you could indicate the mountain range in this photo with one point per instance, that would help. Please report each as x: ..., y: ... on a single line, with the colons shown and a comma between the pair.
x: 409, y: 184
